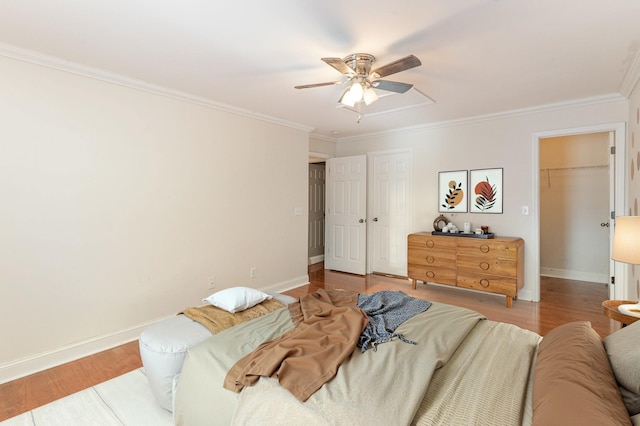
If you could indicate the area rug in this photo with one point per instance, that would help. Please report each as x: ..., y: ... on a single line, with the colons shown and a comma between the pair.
x: 123, y: 401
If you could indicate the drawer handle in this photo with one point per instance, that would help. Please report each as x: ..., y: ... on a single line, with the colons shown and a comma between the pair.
x: 484, y: 266
x: 430, y: 259
x: 430, y: 274
x: 484, y: 283
x: 430, y: 243
x: 484, y: 248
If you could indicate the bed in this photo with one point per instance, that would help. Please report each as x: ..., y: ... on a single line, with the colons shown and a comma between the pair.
x: 463, y: 370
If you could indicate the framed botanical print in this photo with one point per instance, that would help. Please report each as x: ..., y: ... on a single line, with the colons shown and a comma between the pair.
x: 452, y: 192
x: 486, y: 188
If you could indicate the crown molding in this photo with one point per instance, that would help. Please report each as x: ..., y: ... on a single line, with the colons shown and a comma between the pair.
x: 20, y: 54
x: 9, y: 51
x: 323, y: 137
x: 631, y: 77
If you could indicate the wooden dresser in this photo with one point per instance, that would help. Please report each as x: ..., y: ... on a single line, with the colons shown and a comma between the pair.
x: 495, y: 265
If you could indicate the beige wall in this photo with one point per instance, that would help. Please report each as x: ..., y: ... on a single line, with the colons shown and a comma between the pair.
x: 505, y: 142
x: 119, y: 206
x: 575, y: 151
x: 323, y: 146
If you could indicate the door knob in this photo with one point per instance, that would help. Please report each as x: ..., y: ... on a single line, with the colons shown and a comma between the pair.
x: 375, y: 219
x: 361, y: 221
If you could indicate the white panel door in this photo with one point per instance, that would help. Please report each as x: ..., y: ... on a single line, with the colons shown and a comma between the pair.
x: 346, y: 203
x: 390, y: 207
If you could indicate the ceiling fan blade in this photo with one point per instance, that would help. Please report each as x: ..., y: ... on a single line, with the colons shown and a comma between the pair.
x: 403, y: 64
x: 391, y: 86
x: 339, y: 65
x: 309, y: 86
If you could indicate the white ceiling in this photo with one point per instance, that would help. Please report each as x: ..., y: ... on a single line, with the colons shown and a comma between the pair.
x: 479, y: 57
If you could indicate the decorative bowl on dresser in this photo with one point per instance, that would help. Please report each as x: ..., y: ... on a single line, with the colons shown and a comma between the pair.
x: 494, y: 265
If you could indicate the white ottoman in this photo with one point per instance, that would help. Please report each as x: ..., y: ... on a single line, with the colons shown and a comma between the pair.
x: 164, y: 346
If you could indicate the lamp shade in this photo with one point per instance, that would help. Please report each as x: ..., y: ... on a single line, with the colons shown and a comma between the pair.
x: 626, y: 240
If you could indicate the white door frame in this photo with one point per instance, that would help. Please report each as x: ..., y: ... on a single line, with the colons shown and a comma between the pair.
x: 319, y: 156
x: 620, y: 270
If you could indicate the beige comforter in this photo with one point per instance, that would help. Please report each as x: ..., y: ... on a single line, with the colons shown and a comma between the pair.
x: 487, y: 380
x: 384, y: 387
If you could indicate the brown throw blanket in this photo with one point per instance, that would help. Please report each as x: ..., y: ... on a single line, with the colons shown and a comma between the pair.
x: 217, y: 320
x: 303, y: 359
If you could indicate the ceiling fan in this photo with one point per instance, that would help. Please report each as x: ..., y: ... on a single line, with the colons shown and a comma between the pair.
x: 362, y: 79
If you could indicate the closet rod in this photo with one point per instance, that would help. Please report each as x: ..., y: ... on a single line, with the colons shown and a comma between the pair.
x: 605, y: 166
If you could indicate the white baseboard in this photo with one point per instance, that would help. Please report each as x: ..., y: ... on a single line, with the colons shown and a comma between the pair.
x: 289, y: 284
x: 575, y: 275
x: 36, y: 363
x: 316, y: 259
x: 527, y: 295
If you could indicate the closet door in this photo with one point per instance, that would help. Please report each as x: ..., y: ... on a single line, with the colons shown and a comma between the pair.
x: 346, y: 227
x: 390, y: 211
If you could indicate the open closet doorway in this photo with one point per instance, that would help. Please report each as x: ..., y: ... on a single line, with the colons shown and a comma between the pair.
x: 579, y: 188
x: 574, y: 207
x: 317, y: 188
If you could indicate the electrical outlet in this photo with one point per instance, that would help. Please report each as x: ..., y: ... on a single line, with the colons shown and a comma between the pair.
x: 212, y: 283
x: 252, y: 272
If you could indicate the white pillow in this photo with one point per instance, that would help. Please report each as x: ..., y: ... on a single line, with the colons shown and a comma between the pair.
x: 236, y: 299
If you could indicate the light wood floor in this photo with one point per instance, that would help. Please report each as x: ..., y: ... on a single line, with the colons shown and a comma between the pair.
x: 562, y: 301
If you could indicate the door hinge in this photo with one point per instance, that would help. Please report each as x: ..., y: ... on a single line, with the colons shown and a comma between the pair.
x: 613, y: 280
x: 613, y: 215
x: 613, y: 150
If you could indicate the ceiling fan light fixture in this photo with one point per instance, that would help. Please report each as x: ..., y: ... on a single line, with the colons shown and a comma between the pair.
x: 347, y: 99
x: 369, y: 96
x: 356, y: 91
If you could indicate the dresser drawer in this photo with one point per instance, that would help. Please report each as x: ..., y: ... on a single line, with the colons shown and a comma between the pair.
x: 488, y: 248
x: 431, y: 242
x: 421, y: 256
x: 488, y: 265
x: 491, y: 283
x: 432, y: 274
